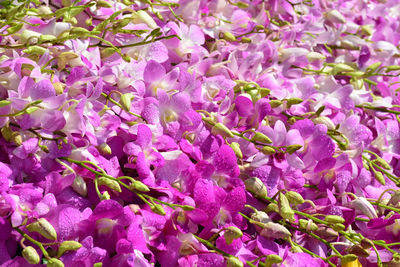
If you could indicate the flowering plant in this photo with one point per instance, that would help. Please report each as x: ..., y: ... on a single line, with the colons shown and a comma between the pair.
x: 199, y: 133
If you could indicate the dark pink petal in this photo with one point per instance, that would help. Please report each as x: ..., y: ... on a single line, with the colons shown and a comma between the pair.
x: 235, y: 200
x: 144, y: 136
x: 225, y: 161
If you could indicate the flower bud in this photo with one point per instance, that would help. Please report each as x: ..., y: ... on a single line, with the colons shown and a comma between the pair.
x: 308, y: 225
x: 373, y: 67
x: 112, y: 184
x: 392, y: 68
x: 105, y: 196
x: 157, y: 208
x: 139, y: 186
x: 53, y: 262
x: 359, y: 251
x: 232, y: 261
x: 294, y: 101
x: 98, y: 264
x: 229, y: 37
x: 79, y: 31
x: 327, y: 233
x: 102, y: 3
x: 335, y: 16
x: 16, y: 138
x: 79, y: 186
x: 209, y: 120
x: 232, y: 233
x: 325, y: 121
x: 382, y: 163
x: 241, y: 4
x: 275, y: 103
x: 293, y: 148
x: 107, y: 52
x: 366, y: 243
x: 341, y: 67
x: 314, y: 56
x: 255, y: 186
x: 222, y: 130
x: 264, y: 91
x: 68, y: 245
x: 267, y: 150
x: 273, y: 258
x: 338, y: 227
x: 272, y: 207
x: 334, y: 219
x: 284, y: 208
x: 275, y: 230
x: 367, y: 29
x: 260, y: 137
x: 296, y: 249
x: 379, y: 177
x: 59, y: 88
x: 236, y: 148
x: 126, y: 101
x: 349, y: 258
x: 105, y: 149
x: 363, y: 205
x: 245, y: 40
x: 35, y: 50
x: 43, y: 227
x: 294, y: 198
x: 30, y: 255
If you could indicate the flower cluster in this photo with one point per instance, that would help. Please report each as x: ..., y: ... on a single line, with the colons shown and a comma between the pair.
x: 199, y: 133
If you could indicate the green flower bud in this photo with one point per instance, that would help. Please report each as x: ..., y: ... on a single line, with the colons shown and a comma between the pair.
x: 102, y: 3
x: 255, y: 186
x: 236, y: 148
x: 4, y: 103
x: 367, y: 29
x: 30, y: 110
x: 107, y: 52
x: 373, y: 67
x: 284, y: 208
x: 229, y: 37
x: 338, y: 227
x: 30, y: 255
x: 294, y: 101
x: 379, y: 177
x: 89, y: 22
x: 242, y: 4
x: 348, y: 258
x: 16, y: 138
x: 264, y: 91
x: 7, y: 133
x: 43, y: 227
x: 260, y: 27
x: 232, y: 233
x: 267, y: 150
x: 245, y: 40
x: 53, y: 262
x: 105, y: 149
x: 275, y: 103
x: 232, y: 261
x: 98, y: 264
x: 382, y: 163
x: 209, y: 120
x: 272, y: 207
x: 359, y: 251
x: 79, y: 186
x: 79, y: 31
x: 273, y: 258
x: 126, y: 101
x: 35, y: 50
x: 296, y: 249
x: 187, y: 208
x: 46, y: 38
x: 105, y: 196
x: 294, y: 198
x: 308, y: 225
x: 68, y: 245
x: 220, y: 129
x: 392, y: 68
x: 293, y: 148
x: 157, y: 208
x: 261, y: 138
x: 139, y: 186
x: 59, y: 87
x: 334, y: 219
x: 112, y: 184
x: 64, y: 58
x: 341, y: 67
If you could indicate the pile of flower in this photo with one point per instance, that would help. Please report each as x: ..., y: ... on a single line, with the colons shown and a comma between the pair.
x: 199, y: 133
